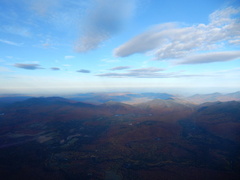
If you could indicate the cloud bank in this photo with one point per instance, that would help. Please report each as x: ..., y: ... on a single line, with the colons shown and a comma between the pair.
x: 171, y: 41
x: 103, y: 20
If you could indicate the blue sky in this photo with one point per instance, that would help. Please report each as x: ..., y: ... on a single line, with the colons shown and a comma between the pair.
x: 69, y: 46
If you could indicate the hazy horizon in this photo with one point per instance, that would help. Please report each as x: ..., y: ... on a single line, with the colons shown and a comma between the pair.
x: 173, y: 91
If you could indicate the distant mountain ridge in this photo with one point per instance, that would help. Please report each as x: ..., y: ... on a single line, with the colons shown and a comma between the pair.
x: 98, y: 98
x: 127, y: 98
x: 202, y: 98
x: 54, y: 101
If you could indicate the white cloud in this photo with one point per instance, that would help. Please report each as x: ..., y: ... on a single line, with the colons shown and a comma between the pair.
x: 10, y: 42
x: 103, y: 20
x: 171, y: 41
x: 145, y: 42
x: 211, y: 57
x: 69, y: 57
x: 235, y: 41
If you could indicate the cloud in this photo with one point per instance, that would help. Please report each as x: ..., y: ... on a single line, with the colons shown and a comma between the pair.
x: 144, y: 42
x: 148, y: 75
x: 18, y: 30
x: 146, y: 70
x: 103, y: 20
x: 28, y: 66
x: 10, y: 42
x: 235, y: 41
x: 66, y: 65
x: 43, y: 7
x: 119, y: 68
x: 150, y: 72
x: 234, y: 72
x: 83, y: 71
x: 47, y: 44
x: 55, y: 68
x: 172, y: 41
x: 64, y: 15
x: 210, y: 57
x: 110, y: 60
x: 91, y: 22
x: 69, y: 57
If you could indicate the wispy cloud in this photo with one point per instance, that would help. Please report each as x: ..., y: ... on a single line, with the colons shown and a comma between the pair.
x: 171, y: 41
x: 10, y: 42
x: 28, y: 66
x: 67, y: 65
x: 146, y: 70
x: 150, y: 72
x: 83, y: 71
x: 110, y: 60
x: 18, y: 30
x: 91, y: 22
x: 235, y: 41
x: 153, y: 72
x: 148, y: 75
x: 210, y: 57
x: 48, y: 43
x: 104, y: 19
x: 234, y: 72
x: 55, y: 68
x: 119, y: 68
x: 69, y: 57
x: 64, y: 15
x: 43, y: 7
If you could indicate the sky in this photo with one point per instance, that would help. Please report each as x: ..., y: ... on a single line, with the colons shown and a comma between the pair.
x: 71, y: 46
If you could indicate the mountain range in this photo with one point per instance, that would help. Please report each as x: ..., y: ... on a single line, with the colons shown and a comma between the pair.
x: 161, y: 138
x: 202, y: 98
x: 131, y: 98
